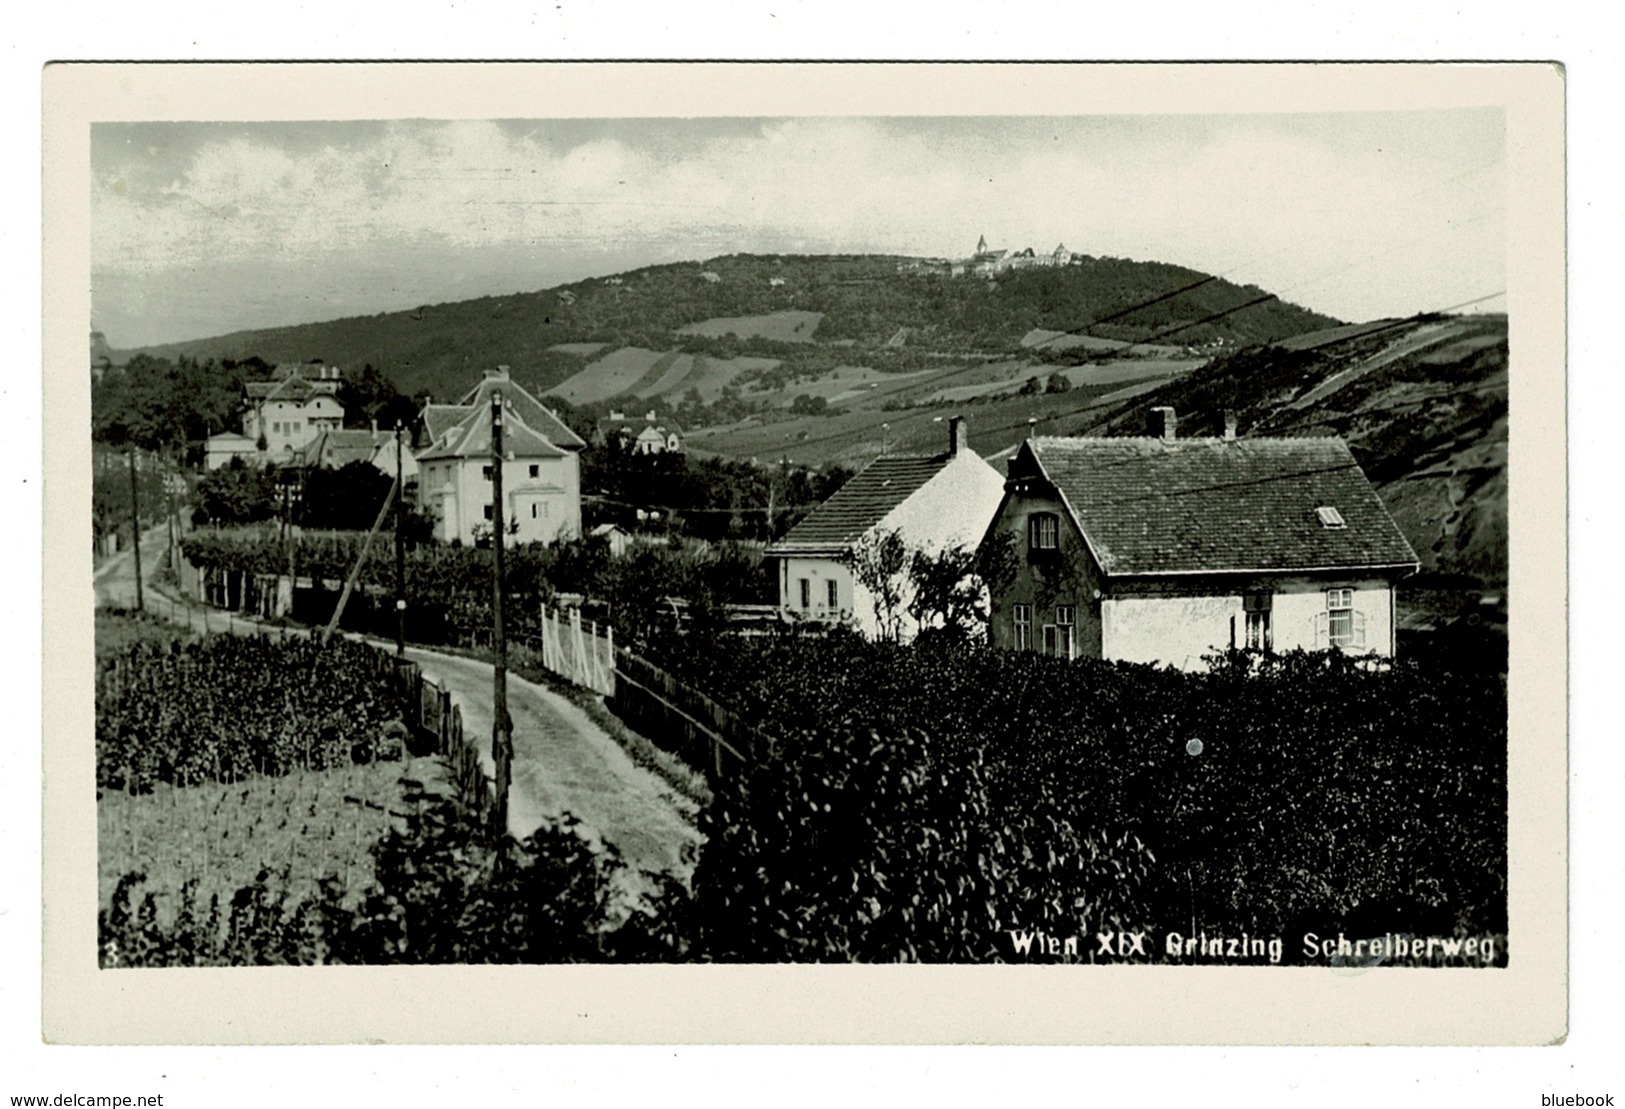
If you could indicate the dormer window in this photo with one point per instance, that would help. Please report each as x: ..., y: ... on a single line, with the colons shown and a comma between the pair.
x: 1329, y: 517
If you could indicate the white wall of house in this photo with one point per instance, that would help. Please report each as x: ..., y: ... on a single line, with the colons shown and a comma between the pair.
x: 1180, y: 630
x: 952, y: 509
x: 219, y: 450
x: 384, y: 459
x: 289, y: 425
x: 541, y: 495
x: 851, y: 599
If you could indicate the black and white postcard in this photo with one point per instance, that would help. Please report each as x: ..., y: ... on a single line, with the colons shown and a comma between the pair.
x: 805, y: 553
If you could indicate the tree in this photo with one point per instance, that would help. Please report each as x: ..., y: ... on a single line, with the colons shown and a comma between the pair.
x: 952, y: 589
x: 345, y: 499
x: 879, y: 560
x: 1058, y: 383
x: 237, y: 493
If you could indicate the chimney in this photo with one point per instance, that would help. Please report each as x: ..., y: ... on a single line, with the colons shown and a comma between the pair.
x: 958, y: 438
x: 1162, y: 423
x: 1229, y: 425
x: 498, y: 374
x: 375, y: 426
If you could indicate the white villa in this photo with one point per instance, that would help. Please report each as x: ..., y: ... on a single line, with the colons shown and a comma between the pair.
x: 541, y: 471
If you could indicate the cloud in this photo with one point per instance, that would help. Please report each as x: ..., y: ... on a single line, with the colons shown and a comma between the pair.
x: 1281, y: 200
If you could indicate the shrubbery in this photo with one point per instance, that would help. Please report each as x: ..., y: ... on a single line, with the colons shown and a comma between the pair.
x: 229, y: 707
x: 1327, y: 793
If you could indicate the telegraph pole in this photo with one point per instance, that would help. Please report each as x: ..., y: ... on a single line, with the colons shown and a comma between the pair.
x: 400, y: 553
x: 502, y: 723
x: 169, y: 503
x: 135, y: 532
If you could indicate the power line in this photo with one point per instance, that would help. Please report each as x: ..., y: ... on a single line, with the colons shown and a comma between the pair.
x: 1294, y: 245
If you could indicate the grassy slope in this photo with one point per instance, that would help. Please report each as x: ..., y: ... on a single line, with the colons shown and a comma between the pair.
x: 313, y: 823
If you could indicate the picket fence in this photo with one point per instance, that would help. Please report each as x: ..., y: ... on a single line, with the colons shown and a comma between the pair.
x: 579, y: 651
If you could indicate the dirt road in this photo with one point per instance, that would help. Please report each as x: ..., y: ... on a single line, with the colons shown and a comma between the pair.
x: 563, y: 761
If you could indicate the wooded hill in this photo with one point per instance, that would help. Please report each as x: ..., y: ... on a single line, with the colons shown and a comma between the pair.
x: 863, y: 302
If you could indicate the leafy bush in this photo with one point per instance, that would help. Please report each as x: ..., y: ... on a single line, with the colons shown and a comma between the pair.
x: 1327, y: 792
x: 224, y: 708
x: 859, y: 847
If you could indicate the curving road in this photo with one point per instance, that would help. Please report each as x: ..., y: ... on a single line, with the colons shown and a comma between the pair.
x: 563, y: 761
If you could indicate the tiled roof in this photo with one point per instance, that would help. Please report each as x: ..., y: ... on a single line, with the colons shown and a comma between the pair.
x: 860, y: 504
x: 536, y: 415
x: 473, y: 437
x: 289, y: 388
x: 1150, y: 506
x: 462, y: 430
x: 335, y: 447
x: 441, y: 418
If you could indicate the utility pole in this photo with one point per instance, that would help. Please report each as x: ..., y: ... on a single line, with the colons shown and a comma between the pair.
x: 135, y: 532
x: 287, y: 523
x: 400, y: 553
x: 502, y: 723
x: 169, y: 504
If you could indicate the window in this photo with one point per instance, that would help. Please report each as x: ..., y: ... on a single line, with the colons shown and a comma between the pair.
x: 1061, y: 638
x: 1329, y: 517
x: 1023, y: 615
x: 1257, y: 631
x: 833, y: 593
x: 533, y: 514
x: 535, y: 470
x: 1043, y: 531
x: 488, y: 512
x: 1340, y: 616
x: 1341, y: 625
x: 806, y: 592
x: 485, y: 472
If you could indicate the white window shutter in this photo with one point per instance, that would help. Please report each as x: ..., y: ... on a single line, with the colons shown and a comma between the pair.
x: 1359, y: 628
x: 1323, y: 637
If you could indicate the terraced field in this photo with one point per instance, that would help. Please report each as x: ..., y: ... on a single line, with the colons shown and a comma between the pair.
x: 610, y: 376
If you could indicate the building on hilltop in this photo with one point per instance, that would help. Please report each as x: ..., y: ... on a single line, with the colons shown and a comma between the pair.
x: 102, y: 358
x: 541, y: 474
x: 933, y: 503
x: 1164, y: 550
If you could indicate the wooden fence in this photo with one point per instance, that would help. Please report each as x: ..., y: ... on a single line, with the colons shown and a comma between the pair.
x: 438, y: 722
x: 578, y: 651
x: 682, y: 720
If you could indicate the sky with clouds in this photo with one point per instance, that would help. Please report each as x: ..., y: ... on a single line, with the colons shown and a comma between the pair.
x: 199, y: 229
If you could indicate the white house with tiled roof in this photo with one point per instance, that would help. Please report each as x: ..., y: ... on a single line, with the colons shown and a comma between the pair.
x: 294, y: 407
x: 1165, y: 550
x: 933, y: 502
x: 541, y: 471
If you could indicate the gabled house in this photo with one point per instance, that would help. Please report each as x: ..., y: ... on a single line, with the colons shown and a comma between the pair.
x: 291, y: 409
x: 933, y: 502
x: 541, y: 472
x: 647, y: 436
x: 334, y: 448
x: 1163, y: 550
